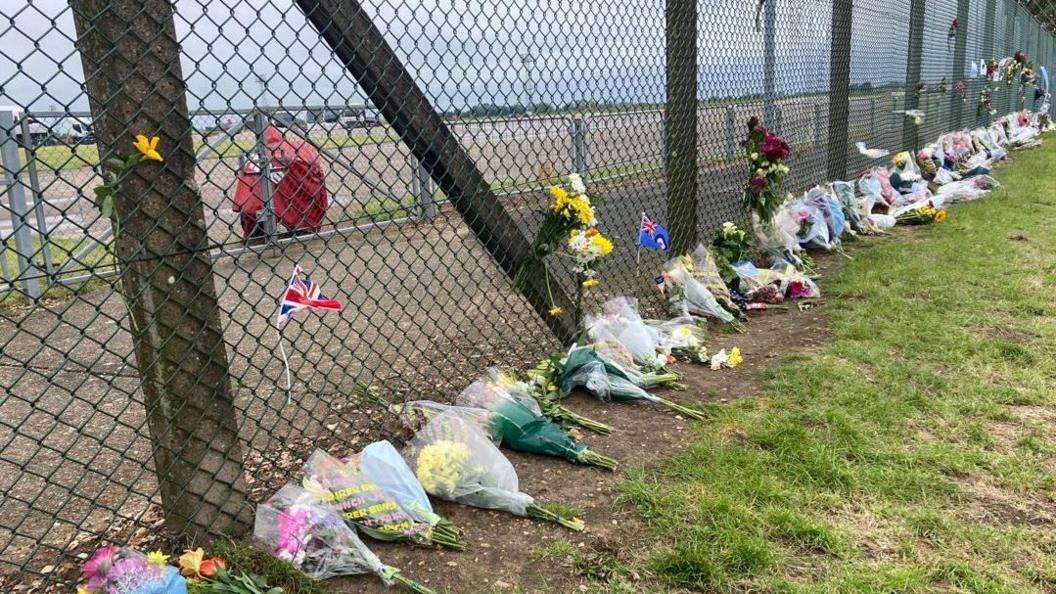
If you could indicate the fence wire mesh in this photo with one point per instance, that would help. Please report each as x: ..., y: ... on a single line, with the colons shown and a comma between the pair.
x: 278, y: 154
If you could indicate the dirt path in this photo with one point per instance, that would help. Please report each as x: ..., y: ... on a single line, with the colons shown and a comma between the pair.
x: 502, y: 551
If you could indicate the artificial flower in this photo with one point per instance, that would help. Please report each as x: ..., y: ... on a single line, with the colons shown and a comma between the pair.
x: 148, y: 148
x: 554, y: 312
x: 157, y: 558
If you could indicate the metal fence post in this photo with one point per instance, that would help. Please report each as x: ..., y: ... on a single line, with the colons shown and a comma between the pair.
x: 817, y: 123
x: 38, y: 198
x: 960, y: 61
x: 16, y: 200
x: 910, y: 133
x: 135, y: 85
x: 872, y: 115
x: 422, y: 189
x: 839, y: 88
x: 770, y: 64
x: 260, y: 126
x: 779, y: 119
x: 681, y: 149
x: 731, y: 132
x: 577, y: 128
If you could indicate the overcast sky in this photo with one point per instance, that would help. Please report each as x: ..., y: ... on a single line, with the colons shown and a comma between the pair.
x: 465, y: 52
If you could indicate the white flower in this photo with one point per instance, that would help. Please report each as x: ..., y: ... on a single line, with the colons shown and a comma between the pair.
x: 576, y: 183
x: 727, y: 225
x: 719, y: 359
x: 755, y: 156
x: 760, y: 172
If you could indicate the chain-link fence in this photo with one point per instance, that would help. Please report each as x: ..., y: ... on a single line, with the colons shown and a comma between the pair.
x: 399, y: 151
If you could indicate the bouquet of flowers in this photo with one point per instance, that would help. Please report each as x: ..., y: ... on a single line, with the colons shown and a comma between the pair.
x: 796, y: 285
x: 767, y: 153
x: 904, y: 170
x: 924, y: 215
x: 455, y: 460
x: 570, y: 219
x: 620, y: 322
x: 731, y: 245
x: 377, y: 493
x: 778, y: 238
x: 688, y: 296
x: 518, y: 419
x: 316, y: 541
x: 584, y: 367
x: 681, y: 339
x: 121, y: 570
x: 211, y: 576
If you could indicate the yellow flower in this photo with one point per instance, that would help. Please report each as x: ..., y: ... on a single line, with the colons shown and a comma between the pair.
x: 148, y: 148
x: 735, y: 357
x: 157, y: 558
x: 603, y: 245
x: 550, y: 388
x: 940, y: 216
x: 439, y: 466
x: 555, y: 311
x: 81, y: 590
x: 590, y: 283
x: 191, y: 562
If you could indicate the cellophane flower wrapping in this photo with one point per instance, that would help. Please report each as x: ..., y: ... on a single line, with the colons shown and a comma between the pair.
x: 456, y: 461
x: 344, y: 487
x: 584, y: 368
x: 518, y: 419
x: 415, y: 414
x: 813, y: 229
x: 620, y: 322
x: 983, y: 137
x: 778, y: 238
x: 706, y: 270
x: 123, y: 570
x: 831, y: 212
x: 687, y: 296
x: 619, y: 359
x: 682, y: 338
x: 796, y: 285
x: 844, y: 192
x: 313, y: 538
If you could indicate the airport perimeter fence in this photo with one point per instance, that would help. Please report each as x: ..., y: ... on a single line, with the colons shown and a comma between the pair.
x: 399, y: 152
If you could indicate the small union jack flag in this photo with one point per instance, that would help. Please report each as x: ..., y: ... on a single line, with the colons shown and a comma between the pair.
x: 302, y: 293
x: 648, y: 226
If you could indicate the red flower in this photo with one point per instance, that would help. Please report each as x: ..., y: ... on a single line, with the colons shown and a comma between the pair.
x: 757, y: 184
x: 209, y: 567
x: 774, y: 148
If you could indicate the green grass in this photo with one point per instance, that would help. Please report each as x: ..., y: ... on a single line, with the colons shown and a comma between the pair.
x: 250, y: 560
x: 62, y: 157
x: 916, y: 451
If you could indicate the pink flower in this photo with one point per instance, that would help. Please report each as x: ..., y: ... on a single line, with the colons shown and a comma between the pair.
x: 758, y: 183
x: 774, y: 148
x: 802, y: 216
x: 99, y: 563
x: 798, y: 289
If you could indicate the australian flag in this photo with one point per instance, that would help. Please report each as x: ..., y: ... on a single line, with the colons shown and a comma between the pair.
x: 302, y: 293
x: 652, y: 235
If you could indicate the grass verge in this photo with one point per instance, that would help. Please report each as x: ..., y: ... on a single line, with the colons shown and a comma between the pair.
x: 916, y: 451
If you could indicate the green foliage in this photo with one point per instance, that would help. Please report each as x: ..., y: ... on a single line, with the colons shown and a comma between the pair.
x: 244, y: 558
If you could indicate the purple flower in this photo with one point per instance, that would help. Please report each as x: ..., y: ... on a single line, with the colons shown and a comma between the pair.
x: 758, y: 183
x: 774, y: 148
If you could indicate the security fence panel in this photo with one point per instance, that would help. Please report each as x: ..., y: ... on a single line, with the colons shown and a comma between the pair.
x: 399, y: 154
